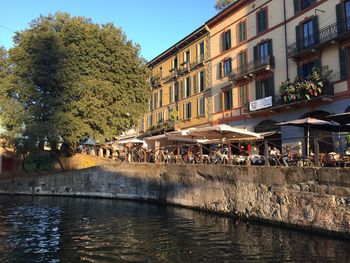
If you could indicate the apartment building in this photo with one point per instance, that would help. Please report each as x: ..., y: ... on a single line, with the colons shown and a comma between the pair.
x: 257, y: 45
x: 256, y: 63
x: 180, y: 77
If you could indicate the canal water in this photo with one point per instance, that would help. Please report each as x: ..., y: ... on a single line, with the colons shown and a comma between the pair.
x: 51, y: 229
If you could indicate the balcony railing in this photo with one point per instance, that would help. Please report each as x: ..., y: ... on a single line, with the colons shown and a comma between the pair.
x: 253, y: 67
x: 156, y: 80
x: 173, y: 74
x: 319, y: 39
x: 184, y: 67
x: 199, y: 61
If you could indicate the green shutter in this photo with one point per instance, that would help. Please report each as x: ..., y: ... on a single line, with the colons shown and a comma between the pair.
x: 259, y: 21
x: 271, y: 57
x: 171, y: 96
x: 190, y: 109
x: 343, y: 64
x: 258, y: 89
x: 264, y: 20
x: 316, y: 29
x: 230, y: 64
x: 296, y: 6
x: 222, y: 42
x: 195, y: 85
x: 256, y: 52
x: 300, y: 72
x: 298, y: 33
x: 218, y: 71
x: 340, y: 17
x: 229, y: 39
x: 182, y: 87
x: 272, y: 88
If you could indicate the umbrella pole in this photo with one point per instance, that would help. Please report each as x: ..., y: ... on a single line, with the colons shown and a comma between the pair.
x: 308, y: 141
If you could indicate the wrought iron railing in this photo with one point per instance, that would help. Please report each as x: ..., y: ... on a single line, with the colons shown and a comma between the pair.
x: 252, y: 67
x: 156, y: 80
x: 325, y: 35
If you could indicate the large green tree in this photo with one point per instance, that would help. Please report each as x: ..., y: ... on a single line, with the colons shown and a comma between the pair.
x: 71, y: 78
x: 222, y: 4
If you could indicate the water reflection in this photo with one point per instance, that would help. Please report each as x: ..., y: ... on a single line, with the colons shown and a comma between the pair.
x: 87, y: 230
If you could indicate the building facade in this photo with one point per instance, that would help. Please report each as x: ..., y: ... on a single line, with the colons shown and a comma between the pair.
x: 266, y: 61
x: 180, y: 77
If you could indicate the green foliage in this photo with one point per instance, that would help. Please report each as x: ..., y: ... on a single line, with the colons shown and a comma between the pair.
x: 39, y: 162
x: 348, y: 138
x: 306, y: 89
x: 71, y: 78
x: 222, y: 4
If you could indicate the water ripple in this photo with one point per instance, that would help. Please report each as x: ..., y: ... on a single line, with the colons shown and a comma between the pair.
x: 87, y: 230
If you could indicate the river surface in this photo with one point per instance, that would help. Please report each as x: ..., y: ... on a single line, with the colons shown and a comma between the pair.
x: 51, y: 229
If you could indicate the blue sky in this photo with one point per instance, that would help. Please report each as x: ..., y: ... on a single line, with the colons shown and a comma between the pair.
x: 154, y: 24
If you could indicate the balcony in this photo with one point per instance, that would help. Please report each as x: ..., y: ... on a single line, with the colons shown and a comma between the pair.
x: 199, y: 61
x: 261, y: 65
x: 156, y: 81
x: 173, y: 74
x: 184, y: 68
x: 324, y: 37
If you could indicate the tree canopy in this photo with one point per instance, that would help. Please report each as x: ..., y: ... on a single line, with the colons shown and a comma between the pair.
x: 222, y: 4
x: 69, y: 78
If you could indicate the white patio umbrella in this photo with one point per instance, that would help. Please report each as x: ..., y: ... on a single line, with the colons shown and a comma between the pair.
x: 308, y: 123
x: 131, y: 140
x: 223, y: 131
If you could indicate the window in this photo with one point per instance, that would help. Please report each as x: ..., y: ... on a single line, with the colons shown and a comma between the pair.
x: 142, y: 125
x: 161, y: 98
x: 262, y: 20
x: 300, y: 5
x: 174, y: 63
x: 217, y: 103
x: 306, y: 70
x: 160, y: 117
x: 228, y: 99
x: 201, y: 51
x: 242, y: 31
x: 347, y: 13
x: 243, y: 95
x: 188, y: 87
x: 264, y: 53
x: 188, y: 111
x: 176, y: 92
x: 308, y: 34
x: 201, y: 107
x: 265, y: 88
x: 171, y: 93
x: 151, y: 103
x: 187, y: 56
x: 155, y: 100
x: 227, y: 67
x: 242, y: 60
x: 226, y: 40
x: 149, y: 120
x: 201, y: 81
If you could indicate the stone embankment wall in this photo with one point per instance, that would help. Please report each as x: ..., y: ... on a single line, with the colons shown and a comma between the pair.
x: 312, y: 198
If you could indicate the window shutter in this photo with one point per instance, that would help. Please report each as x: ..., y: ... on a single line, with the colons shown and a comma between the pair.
x: 300, y: 72
x: 171, y: 94
x: 195, y: 84
x: 184, y: 111
x: 340, y: 17
x: 296, y: 6
x: 229, y: 39
x: 272, y: 88
x: 258, y: 22
x: 218, y: 71
x: 258, y: 89
x: 343, y: 64
x: 271, y: 57
x: 315, y: 29
x: 298, y: 37
x: 182, y: 87
x: 256, y: 52
x: 189, y: 110
x: 264, y: 19
x: 189, y: 87
x: 204, y: 86
x: 318, y: 65
x: 222, y: 42
x: 230, y: 64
